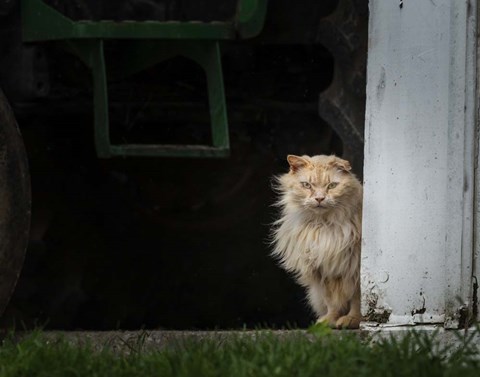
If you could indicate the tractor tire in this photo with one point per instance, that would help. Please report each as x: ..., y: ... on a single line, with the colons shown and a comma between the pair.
x: 344, y: 33
x: 15, y: 202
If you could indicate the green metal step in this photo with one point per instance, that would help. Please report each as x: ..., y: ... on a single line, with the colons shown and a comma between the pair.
x: 43, y: 23
x: 146, y: 150
x: 135, y: 30
x: 195, y: 40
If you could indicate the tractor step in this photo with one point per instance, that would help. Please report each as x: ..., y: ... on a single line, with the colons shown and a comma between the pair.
x: 153, y: 42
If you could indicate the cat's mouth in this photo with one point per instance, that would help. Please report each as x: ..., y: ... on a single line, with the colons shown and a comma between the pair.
x: 324, y: 205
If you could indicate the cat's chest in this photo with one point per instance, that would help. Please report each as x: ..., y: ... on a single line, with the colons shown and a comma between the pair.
x: 315, y: 239
x: 308, y: 247
x: 320, y: 244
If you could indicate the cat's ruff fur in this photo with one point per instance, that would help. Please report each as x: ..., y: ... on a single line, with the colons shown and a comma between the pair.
x: 318, y: 235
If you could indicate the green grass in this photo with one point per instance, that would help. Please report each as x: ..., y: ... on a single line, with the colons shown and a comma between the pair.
x: 320, y: 354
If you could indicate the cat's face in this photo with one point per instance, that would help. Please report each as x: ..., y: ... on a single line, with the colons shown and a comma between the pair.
x: 319, y: 182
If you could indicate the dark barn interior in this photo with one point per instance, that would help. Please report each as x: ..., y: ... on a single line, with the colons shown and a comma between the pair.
x: 177, y: 243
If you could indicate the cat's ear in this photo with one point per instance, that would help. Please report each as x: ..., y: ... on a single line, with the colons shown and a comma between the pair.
x: 342, y: 165
x: 296, y: 162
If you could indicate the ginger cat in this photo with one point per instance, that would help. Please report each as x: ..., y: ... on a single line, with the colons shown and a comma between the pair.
x: 319, y: 233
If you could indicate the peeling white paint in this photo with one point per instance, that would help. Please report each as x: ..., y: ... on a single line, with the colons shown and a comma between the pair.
x: 419, y: 160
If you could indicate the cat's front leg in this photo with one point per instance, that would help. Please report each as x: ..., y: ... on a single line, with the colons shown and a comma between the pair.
x: 330, y: 319
x: 352, y: 319
x: 327, y: 310
x: 334, y: 312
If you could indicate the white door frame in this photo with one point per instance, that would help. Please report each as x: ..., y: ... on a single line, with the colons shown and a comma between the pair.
x: 420, y: 162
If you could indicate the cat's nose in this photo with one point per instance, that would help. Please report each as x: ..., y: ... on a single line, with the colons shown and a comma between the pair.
x: 319, y: 199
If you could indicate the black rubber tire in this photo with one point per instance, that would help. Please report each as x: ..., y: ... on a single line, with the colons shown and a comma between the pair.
x: 15, y: 202
x: 342, y: 105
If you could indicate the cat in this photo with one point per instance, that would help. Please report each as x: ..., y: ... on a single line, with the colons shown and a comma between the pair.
x: 318, y: 236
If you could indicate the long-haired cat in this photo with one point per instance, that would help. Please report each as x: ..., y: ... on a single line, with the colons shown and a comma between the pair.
x: 318, y: 235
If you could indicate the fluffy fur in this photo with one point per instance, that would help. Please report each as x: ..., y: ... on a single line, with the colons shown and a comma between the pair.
x: 318, y: 235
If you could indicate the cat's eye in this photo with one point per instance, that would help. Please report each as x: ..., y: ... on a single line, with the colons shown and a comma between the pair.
x: 332, y: 185
x: 306, y: 185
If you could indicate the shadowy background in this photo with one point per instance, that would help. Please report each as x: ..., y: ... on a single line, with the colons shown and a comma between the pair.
x: 181, y: 243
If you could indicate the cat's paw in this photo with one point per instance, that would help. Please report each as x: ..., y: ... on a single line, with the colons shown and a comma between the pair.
x: 348, y: 322
x: 328, y: 320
